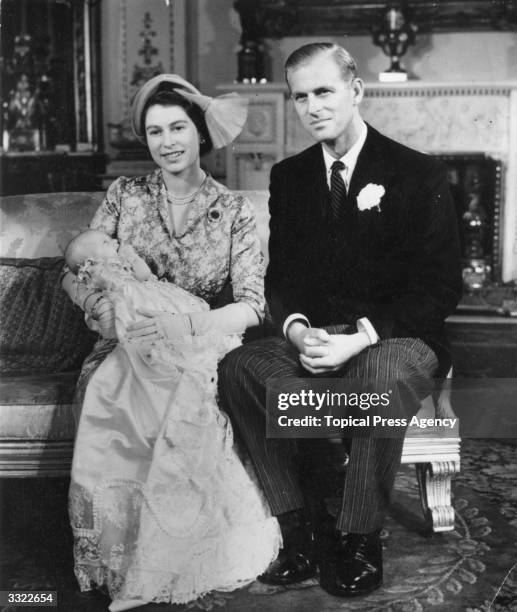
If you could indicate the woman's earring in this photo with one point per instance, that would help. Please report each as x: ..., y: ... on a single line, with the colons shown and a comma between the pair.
x: 202, y: 140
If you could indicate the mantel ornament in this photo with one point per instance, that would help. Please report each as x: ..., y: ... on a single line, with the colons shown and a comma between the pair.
x: 394, y: 37
x: 257, y: 22
x: 251, y: 57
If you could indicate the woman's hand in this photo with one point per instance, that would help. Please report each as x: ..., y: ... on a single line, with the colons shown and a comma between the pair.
x: 157, y: 325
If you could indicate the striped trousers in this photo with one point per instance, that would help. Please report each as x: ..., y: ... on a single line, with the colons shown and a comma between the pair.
x: 373, y: 460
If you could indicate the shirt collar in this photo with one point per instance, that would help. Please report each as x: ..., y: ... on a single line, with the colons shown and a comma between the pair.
x: 350, y: 157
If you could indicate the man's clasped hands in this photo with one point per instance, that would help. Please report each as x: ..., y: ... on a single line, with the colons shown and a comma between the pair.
x: 321, y: 352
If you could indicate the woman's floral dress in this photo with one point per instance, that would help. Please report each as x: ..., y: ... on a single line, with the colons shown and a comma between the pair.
x: 162, y: 509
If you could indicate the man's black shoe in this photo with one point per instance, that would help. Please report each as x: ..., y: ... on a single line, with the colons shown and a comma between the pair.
x: 288, y: 568
x: 354, y: 567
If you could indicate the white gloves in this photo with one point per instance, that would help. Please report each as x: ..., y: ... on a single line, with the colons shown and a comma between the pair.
x: 156, y: 325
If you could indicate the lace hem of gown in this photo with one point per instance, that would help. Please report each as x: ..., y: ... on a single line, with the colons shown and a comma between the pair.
x: 251, y: 555
x: 162, y: 509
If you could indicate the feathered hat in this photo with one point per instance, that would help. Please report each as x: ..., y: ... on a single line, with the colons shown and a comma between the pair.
x: 225, y: 115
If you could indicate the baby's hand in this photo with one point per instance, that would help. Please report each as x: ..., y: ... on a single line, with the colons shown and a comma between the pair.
x: 141, y: 270
x: 102, y: 313
x: 127, y: 251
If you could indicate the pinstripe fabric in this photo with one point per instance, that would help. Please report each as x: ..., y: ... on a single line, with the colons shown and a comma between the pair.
x: 374, y: 461
x: 243, y: 375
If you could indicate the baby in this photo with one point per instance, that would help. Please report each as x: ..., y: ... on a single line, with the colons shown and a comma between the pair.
x: 98, y: 246
x: 125, y: 279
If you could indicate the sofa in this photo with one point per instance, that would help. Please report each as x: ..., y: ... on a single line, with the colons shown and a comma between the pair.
x: 43, y: 341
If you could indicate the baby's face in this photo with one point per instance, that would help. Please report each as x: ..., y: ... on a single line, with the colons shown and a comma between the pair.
x: 103, y: 247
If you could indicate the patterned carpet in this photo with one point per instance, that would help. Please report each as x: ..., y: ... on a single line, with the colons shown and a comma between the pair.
x: 472, y: 569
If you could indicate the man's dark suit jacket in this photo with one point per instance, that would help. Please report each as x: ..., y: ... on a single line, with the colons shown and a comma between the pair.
x: 399, y: 266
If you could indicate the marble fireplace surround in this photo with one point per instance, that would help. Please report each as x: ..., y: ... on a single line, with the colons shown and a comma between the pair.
x: 438, y: 118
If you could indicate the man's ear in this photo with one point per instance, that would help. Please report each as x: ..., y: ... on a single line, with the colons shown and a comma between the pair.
x: 357, y: 91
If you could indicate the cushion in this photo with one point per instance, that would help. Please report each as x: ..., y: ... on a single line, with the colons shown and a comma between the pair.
x: 41, y: 330
x: 41, y: 225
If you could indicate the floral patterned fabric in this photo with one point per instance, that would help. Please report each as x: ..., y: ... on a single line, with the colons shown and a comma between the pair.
x: 151, y: 437
x: 219, y: 245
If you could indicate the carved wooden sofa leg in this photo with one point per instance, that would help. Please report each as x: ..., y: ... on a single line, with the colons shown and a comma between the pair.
x: 434, y: 483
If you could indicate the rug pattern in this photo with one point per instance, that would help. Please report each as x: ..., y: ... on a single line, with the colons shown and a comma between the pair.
x: 472, y: 568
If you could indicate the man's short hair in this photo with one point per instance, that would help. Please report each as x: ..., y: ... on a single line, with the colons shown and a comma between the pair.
x: 306, y: 53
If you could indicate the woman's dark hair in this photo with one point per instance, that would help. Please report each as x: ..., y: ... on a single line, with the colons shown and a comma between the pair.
x: 166, y: 96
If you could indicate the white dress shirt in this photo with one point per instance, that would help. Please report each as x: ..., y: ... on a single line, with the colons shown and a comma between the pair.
x: 349, y: 158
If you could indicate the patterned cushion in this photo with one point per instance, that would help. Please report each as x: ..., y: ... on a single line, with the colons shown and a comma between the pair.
x: 41, y: 331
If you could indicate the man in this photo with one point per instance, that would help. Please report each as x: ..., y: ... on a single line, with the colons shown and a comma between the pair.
x: 364, y: 268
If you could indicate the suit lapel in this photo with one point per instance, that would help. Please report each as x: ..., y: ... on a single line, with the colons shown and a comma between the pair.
x: 314, y: 184
x: 373, y: 165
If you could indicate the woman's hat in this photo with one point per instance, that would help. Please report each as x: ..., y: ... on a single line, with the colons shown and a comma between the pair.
x: 225, y: 115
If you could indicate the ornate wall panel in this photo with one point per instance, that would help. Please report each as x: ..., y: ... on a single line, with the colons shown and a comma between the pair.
x: 140, y: 38
x: 261, y: 142
x: 146, y: 44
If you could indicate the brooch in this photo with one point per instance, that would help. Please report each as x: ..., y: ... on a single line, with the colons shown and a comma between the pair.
x: 214, y: 214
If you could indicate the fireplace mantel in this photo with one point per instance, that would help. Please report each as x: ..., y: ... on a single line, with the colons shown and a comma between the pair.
x: 438, y: 118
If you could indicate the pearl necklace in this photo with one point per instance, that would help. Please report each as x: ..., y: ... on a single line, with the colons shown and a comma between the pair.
x: 184, y: 200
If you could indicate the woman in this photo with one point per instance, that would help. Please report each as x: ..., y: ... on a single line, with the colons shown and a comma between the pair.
x: 161, y: 508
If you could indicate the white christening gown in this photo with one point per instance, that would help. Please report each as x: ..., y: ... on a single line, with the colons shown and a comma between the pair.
x: 162, y: 509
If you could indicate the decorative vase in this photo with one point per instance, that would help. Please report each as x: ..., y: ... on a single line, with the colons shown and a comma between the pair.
x: 394, y: 37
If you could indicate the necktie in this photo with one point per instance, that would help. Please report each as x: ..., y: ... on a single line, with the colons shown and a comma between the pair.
x: 337, y: 189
